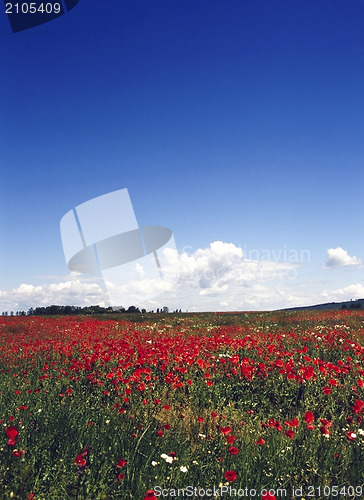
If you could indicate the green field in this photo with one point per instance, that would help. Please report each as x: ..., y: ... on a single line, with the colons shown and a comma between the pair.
x: 148, y: 405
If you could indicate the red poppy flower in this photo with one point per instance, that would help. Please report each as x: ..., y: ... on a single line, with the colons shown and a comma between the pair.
x: 290, y: 434
x: 230, y: 475
x: 230, y: 439
x: 233, y: 450
x: 150, y: 495
x: 260, y: 441
x: 225, y: 430
x: 278, y: 426
x: 18, y: 453
x: 160, y: 433
x: 326, y: 391
x: 121, y: 463
x: 309, y: 417
x: 268, y: 496
x: 119, y: 477
x: 351, y: 435
x: 80, y: 461
x: 12, y: 432
x: 324, y: 430
x: 294, y: 422
x: 359, y: 405
x: 325, y: 422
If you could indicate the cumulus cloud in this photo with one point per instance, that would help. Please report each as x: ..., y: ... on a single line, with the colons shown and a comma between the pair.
x: 72, y: 292
x: 338, y: 257
x: 349, y: 292
x: 209, y: 278
x: 222, y: 265
x: 218, y: 277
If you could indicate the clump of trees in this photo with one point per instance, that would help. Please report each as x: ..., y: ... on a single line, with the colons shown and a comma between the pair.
x: 352, y: 305
x: 73, y: 310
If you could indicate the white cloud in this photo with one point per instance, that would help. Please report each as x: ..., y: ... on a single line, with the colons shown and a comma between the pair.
x: 347, y: 293
x: 215, y: 278
x: 223, y: 264
x: 338, y: 257
x: 72, y: 292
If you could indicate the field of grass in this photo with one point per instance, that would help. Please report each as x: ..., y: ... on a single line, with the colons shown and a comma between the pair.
x: 145, y: 406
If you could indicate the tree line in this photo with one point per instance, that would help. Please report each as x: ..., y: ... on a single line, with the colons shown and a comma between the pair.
x: 73, y: 310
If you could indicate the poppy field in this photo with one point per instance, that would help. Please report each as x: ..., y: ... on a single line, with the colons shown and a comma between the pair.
x: 183, y: 405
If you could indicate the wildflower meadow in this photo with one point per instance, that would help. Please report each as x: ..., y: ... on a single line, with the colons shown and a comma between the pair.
x: 182, y: 405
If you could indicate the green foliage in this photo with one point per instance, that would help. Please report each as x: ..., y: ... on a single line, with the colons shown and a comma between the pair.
x: 111, y: 409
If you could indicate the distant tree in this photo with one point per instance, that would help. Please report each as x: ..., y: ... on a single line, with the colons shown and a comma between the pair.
x: 165, y: 310
x: 355, y: 306
x: 133, y: 309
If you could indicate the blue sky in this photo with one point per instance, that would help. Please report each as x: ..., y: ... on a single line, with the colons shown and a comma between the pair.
x: 236, y: 121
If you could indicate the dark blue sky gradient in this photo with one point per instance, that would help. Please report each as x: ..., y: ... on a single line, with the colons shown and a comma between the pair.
x: 232, y: 120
